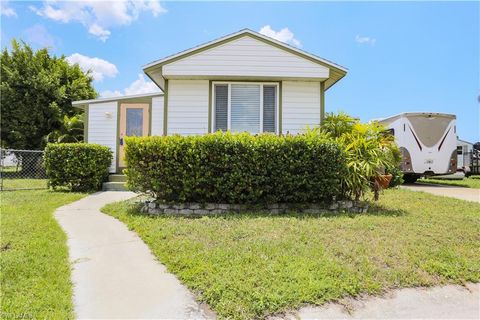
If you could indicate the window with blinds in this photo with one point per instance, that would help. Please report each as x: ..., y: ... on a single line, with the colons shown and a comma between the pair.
x: 269, y: 109
x: 221, y: 107
x: 246, y: 107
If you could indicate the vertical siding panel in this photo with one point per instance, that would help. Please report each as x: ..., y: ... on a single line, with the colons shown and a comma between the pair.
x: 187, y: 107
x: 157, y: 116
x: 301, y: 105
x: 102, y: 127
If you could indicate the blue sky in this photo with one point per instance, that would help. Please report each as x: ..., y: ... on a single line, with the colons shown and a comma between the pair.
x: 410, y: 56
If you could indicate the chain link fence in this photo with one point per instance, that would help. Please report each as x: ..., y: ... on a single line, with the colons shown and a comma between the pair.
x: 22, y: 170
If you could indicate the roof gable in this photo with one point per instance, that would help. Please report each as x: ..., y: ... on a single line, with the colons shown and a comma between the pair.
x: 154, y: 69
x: 244, y: 57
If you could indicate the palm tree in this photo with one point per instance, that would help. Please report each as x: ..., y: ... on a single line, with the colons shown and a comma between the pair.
x: 71, y: 130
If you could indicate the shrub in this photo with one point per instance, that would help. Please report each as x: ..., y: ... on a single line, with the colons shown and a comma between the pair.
x: 235, y: 168
x: 77, y: 166
x: 370, y: 152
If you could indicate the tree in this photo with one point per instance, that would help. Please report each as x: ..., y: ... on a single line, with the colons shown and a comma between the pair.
x: 71, y: 131
x: 37, y: 90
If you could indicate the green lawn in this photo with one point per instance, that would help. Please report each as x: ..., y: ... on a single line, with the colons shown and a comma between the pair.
x: 253, y: 265
x: 471, y: 182
x: 15, y: 184
x: 35, y: 271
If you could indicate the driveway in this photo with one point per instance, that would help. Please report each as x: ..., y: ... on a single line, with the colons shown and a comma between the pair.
x: 114, y: 273
x: 468, y: 194
x: 448, y: 302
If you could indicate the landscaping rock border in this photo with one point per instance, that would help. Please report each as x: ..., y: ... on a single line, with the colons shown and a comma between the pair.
x: 206, y: 209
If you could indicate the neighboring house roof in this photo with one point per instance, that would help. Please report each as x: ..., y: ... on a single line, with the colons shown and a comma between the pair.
x: 82, y: 103
x: 153, y: 69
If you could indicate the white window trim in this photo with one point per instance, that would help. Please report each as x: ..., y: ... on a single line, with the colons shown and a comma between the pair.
x: 229, y: 119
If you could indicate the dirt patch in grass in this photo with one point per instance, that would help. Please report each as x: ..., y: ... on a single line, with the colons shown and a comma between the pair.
x: 254, y: 265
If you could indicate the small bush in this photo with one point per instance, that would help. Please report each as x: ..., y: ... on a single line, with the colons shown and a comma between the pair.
x: 235, y: 168
x: 77, y: 166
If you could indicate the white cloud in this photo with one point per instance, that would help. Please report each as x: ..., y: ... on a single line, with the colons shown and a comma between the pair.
x: 365, y: 40
x: 139, y: 86
x: 110, y: 94
x: 284, y: 35
x: 99, y: 68
x: 5, y: 10
x: 98, y: 16
x: 39, y: 35
x: 98, y: 31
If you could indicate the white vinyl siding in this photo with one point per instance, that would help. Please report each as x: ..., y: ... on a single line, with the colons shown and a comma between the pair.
x: 245, y: 57
x: 157, y: 116
x: 102, y: 127
x: 300, y: 105
x: 187, y: 107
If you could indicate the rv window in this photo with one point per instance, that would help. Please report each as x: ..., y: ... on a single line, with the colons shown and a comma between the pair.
x: 429, y: 130
x: 389, y: 132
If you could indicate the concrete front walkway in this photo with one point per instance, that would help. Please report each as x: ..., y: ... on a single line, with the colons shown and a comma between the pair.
x: 448, y: 302
x: 468, y: 194
x: 114, y: 273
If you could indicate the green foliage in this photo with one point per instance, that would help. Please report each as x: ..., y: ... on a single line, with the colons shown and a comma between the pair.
x: 370, y: 151
x: 235, y: 168
x: 77, y: 166
x: 338, y: 124
x: 397, y: 176
x: 71, y: 130
x: 36, y: 91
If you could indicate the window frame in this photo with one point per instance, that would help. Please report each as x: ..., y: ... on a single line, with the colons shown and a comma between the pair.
x: 229, y: 102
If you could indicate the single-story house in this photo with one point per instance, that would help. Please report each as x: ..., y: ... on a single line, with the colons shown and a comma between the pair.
x: 241, y: 82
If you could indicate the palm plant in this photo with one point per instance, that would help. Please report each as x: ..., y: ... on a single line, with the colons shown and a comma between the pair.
x: 70, y: 131
x: 369, y: 151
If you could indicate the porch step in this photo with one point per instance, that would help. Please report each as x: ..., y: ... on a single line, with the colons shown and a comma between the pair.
x: 114, y: 186
x: 117, y: 178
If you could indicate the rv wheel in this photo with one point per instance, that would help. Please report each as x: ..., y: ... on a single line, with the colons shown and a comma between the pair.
x: 410, y: 178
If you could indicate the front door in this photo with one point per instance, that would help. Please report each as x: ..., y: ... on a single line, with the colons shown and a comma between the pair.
x: 134, y: 121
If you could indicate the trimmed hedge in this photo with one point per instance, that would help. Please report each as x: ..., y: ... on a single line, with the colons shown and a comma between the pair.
x: 235, y: 168
x: 77, y: 166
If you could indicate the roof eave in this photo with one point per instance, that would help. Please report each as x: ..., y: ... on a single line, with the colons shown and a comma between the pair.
x: 83, y: 103
x: 158, y: 63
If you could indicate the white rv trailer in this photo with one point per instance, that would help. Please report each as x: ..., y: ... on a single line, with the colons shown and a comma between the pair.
x: 428, y: 142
